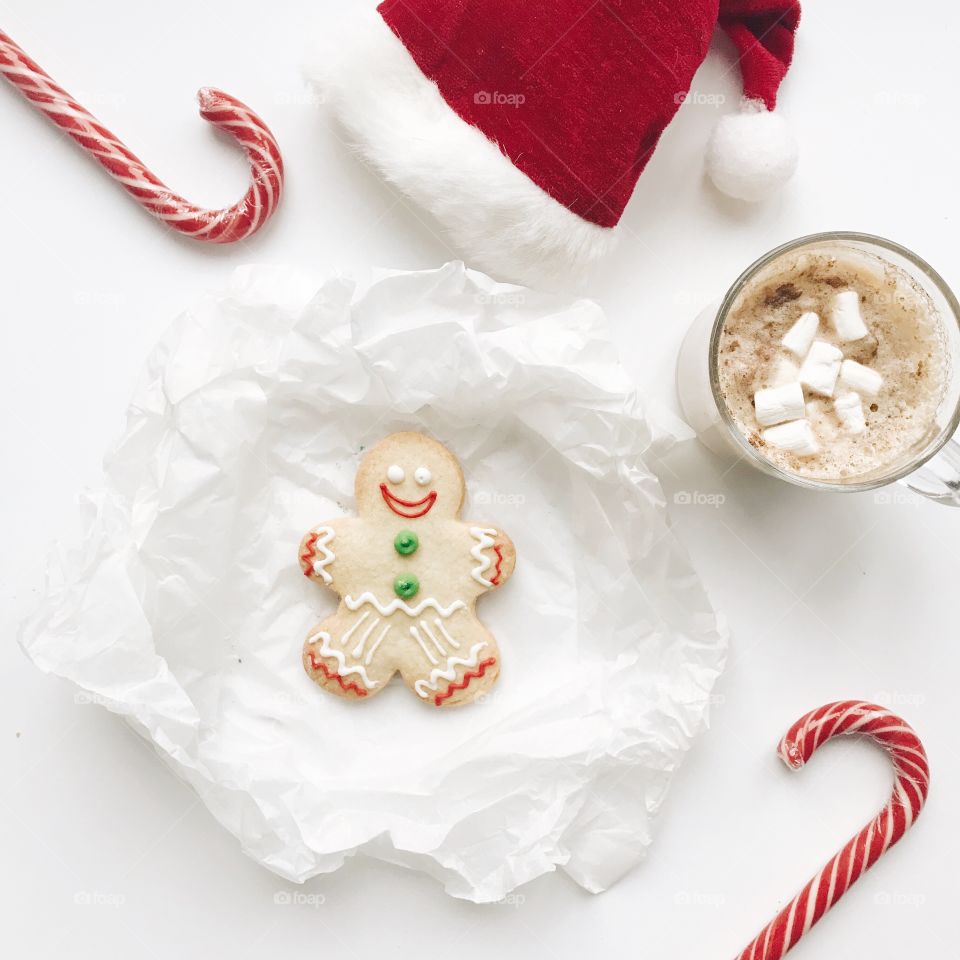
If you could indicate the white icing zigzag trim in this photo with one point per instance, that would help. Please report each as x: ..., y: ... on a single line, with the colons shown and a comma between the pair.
x: 325, y: 536
x: 327, y: 651
x: 485, y: 537
x: 449, y: 673
x: 385, y: 609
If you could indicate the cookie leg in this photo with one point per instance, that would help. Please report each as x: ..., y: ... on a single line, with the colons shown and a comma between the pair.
x: 338, y: 655
x: 464, y: 661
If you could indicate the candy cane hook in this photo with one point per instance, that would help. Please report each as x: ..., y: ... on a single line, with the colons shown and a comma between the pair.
x: 237, y: 222
x: 912, y: 782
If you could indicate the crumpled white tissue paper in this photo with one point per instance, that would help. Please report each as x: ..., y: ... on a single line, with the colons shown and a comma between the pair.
x: 184, y: 608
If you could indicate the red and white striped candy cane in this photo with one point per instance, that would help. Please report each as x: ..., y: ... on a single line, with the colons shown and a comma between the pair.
x: 236, y: 222
x: 862, y: 852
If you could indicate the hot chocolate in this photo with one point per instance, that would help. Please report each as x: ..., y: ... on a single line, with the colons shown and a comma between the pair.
x: 833, y: 364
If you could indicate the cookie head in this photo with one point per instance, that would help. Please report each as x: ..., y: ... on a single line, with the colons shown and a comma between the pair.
x: 411, y: 476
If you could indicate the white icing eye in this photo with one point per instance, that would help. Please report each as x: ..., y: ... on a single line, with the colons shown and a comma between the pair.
x: 395, y: 473
x: 423, y: 476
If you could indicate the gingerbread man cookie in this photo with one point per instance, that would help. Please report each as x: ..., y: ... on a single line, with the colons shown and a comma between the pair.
x: 408, y: 572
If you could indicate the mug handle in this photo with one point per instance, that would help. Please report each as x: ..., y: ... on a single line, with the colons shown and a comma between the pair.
x: 939, y: 478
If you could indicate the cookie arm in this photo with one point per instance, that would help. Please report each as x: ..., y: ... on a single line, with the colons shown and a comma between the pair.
x: 317, y: 553
x: 506, y: 554
x: 494, y: 556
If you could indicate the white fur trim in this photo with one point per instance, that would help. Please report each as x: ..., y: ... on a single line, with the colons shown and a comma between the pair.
x: 751, y: 154
x: 491, y: 211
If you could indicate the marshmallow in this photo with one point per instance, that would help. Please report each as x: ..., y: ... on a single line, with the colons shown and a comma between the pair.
x: 846, y: 316
x: 850, y: 411
x: 821, y: 368
x: 796, y: 437
x: 776, y: 404
x: 799, y: 337
x: 855, y: 376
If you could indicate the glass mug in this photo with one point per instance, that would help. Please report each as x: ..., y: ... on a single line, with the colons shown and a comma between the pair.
x: 931, y: 467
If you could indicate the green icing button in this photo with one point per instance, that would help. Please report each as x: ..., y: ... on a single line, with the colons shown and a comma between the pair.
x: 406, y: 586
x: 406, y: 542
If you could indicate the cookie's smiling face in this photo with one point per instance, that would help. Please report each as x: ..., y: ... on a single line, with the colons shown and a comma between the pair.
x: 410, y: 476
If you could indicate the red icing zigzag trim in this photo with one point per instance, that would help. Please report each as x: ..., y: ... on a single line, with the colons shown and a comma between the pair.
x: 332, y: 675
x: 465, y: 681
x: 308, y: 555
x: 495, y: 579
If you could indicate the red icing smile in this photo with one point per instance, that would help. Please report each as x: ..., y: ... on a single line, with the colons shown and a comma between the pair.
x: 419, y: 507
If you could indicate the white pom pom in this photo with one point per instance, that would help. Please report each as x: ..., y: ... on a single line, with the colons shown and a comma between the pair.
x: 752, y: 153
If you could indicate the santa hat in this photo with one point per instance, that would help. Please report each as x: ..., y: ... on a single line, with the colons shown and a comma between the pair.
x: 523, y: 126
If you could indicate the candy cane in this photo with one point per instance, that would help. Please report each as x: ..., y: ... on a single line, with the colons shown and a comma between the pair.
x: 237, y: 222
x: 862, y: 852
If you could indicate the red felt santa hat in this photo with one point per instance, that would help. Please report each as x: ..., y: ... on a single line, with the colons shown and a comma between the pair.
x: 523, y: 126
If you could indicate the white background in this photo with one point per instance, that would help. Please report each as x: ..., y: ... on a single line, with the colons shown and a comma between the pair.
x: 828, y: 596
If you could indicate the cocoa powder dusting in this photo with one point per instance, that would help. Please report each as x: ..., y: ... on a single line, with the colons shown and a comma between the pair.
x: 785, y: 293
